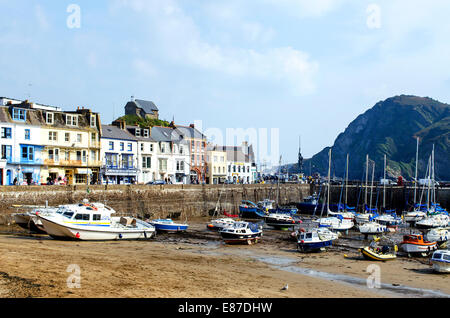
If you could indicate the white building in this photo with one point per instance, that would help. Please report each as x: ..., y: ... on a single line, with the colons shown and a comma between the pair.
x: 119, y: 155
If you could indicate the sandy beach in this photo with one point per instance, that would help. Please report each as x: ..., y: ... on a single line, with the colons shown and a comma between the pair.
x: 197, y: 264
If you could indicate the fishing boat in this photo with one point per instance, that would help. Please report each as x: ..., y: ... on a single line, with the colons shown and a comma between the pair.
x: 218, y: 224
x: 241, y: 232
x: 93, y: 221
x: 315, y: 240
x: 168, y: 225
x: 433, y: 221
x: 440, y: 261
x: 249, y: 210
x: 370, y: 228
x: 415, y: 243
x: 438, y: 235
x: 281, y: 220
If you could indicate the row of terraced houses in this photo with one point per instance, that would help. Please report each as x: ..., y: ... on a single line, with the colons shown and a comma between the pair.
x: 45, y: 145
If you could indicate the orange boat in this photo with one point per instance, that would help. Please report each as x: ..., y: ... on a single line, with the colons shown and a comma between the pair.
x: 414, y: 243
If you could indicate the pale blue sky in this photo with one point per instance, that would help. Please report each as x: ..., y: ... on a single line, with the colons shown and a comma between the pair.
x: 305, y: 67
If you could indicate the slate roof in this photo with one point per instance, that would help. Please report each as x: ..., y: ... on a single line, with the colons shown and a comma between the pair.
x: 113, y: 132
x: 189, y: 132
x: 147, y: 106
x: 166, y: 134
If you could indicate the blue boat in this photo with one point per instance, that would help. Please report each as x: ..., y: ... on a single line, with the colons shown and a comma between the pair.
x: 290, y: 211
x: 168, y: 225
x: 249, y: 210
x: 315, y: 240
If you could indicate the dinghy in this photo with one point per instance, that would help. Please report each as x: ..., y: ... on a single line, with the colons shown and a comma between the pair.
x: 168, y: 225
x: 378, y: 254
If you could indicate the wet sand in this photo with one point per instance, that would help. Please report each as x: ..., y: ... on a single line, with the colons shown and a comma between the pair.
x: 197, y: 264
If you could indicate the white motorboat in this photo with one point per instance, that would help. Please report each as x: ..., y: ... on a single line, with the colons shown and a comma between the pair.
x: 241, y: 232
x: 440, y: 261
x: 315, y: 240
x: 93, y: 221
x: 415, y: 243
x: 218, y: 224
x: 438, y: 220
x: 266, y: 204
x: 344, y: 214
x: 363, y: 217
x: 439, y: 235
x: 281, y: 220
x: 372, y: 228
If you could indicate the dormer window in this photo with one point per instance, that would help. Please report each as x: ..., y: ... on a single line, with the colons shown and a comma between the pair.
x: 19, y: 114
x: 49, y: 118
x: 138, y: 132
x: 93, y: 121
x: 146, y: 133
x: 71, y: 120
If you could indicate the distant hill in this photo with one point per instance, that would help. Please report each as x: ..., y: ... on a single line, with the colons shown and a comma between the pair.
x: 390, y: 127
x: 135, y: 120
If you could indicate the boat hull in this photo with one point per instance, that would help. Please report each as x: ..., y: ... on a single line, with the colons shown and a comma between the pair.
x: 170, y: 228
x: 85, y: 233
x: 440, y: 267
x: 313, y: 246
x: 231, y: 238
x: 373, y: 256
x: 418, y: 248
x: 30, y: 223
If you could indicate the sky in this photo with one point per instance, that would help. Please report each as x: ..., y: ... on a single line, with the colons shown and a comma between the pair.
x: 286, y: 69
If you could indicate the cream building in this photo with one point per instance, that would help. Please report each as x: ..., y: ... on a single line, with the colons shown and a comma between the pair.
x: 216, y: 171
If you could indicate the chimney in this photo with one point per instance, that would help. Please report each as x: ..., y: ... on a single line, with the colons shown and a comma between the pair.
x: 192, y: 125
x: 119, y: 124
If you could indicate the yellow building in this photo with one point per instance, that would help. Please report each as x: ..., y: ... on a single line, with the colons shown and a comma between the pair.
x: 216, y: 165
x: 71, y: 141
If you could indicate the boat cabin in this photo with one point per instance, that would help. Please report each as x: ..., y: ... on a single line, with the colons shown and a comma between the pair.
x: 414, y: 238
x: 83, y: 213
x: 441, y: 256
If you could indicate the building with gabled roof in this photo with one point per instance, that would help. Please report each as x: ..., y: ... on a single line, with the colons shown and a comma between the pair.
x: 142, y: 108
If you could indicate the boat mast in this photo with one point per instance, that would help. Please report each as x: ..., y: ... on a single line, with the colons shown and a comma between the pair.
x: 278, y: 183
x: 371, y: 187
x: 433, y: 198
x: 367, y: 177
x: 329, y: 181
x: 415, y: 177
x: 384, y: 184
x: 346, y: 184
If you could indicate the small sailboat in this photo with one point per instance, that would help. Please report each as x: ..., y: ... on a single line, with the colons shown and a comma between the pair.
x: 93, y: 221
x: 315, y: 240
x: 415, y: 244
x: 241, y: 232
x: 168, y: 225
x: 440, y: 261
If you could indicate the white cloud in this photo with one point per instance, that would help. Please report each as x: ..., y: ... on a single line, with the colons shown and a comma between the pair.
x: 179, y: 39
x: 305, y: 8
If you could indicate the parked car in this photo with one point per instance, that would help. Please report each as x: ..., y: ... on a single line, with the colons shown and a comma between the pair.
x: 156, y: 182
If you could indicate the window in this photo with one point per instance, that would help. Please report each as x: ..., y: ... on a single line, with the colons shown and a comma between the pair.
x: 111, y: 160
x: 151, y: 147
x: 67, y: 137
x: 163, y: 164
x: 96, y: 217
x: 19, y: 114
x: 93, y: 155
x: 71, y: 120
x: 52, y: 135
x: 146, y: 133
x: 27, y: 134
x: 6, y: 133
x: 130, y: 146
x: 51, y: 154
x: 215, y: 159
x: 27, y: 153
x: 180, y: 165
x: 79, y: 138
x: 84, y: 156
x: 181, y: 149
x: 49, y: 118
x: 78, y: 216
x: 127, y: 161
x: 80, y: 178
x: 67, y: 155
x: 142, y: 147
x: 78, y: 155
x: 93, y: 137
x: 138, y: 132
x: 163, y: 148
x: 6, y: 152
x: 93, y: 121
x: 146, y: 162
x: 122, y: 146
x: 111, y: 145
x: 68, y: 214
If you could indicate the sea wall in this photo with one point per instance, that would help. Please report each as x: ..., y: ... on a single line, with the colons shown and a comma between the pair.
x: 187, y: 201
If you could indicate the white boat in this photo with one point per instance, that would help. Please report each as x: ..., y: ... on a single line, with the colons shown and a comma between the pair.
x: 241, y: 232
x: 439, y: 220
x: 363, y: 217
x: 344, y: 214
x: 218, y: 224
x: 372, y: 228
x: 93, y: 221
x: 281, y: 220
x: 415, y: 243
x: 266, y: 204
x: 414, y: 216
x: 29, y: 221
x: 437, y: 235
x: 389, y: 220
x: 440, y: 261
x: 335, y: 223
x: 315, y: 240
